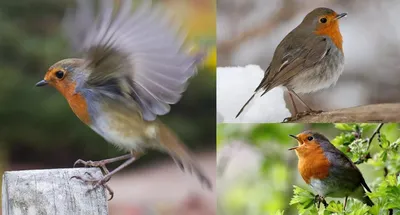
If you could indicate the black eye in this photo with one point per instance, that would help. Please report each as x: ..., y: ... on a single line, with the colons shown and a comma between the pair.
x: 59, y: 74
x: 323, y: 20
x: 309, y: 138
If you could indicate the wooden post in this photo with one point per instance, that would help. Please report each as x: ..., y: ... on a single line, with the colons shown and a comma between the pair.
x: 52, y: 191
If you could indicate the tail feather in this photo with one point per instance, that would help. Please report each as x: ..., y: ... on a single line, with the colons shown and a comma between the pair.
x: 367, y: 201
x: 361, y: 195
x: 244, y: 106
x: 182, y: 156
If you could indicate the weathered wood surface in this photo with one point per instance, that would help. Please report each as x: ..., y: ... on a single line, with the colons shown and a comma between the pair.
x: 52, y: 192
x: 367, y: 113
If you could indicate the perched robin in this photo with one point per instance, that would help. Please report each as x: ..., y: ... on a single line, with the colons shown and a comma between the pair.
x: 133, y: 68
x: 308, y: 59
x: 328, y: 171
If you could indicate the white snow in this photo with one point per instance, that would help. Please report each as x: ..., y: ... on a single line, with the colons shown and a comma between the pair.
x: 235, y: 85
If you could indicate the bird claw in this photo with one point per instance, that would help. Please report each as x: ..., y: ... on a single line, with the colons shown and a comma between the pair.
x: 96, y: 183
x: 302, y: 114
x: 318, y: 199
x: 101, y: 164
x: 89, y: 163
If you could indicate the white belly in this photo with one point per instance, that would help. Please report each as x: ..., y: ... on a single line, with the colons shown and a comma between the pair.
x: 124, y: 136
x: 308, y: 81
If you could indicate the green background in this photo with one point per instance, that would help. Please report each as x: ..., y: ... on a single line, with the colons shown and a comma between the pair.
x: 268, y: 187
x: 37, y: 127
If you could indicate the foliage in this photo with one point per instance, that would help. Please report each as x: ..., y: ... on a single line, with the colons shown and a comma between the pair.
x: 271, y: 190
x: 357, y: 145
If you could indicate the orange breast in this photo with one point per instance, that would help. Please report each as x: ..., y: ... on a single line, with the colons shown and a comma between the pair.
x: 76, y: 101
x: 313, y: 164
x: 79, y: 106
x: 332, y: 30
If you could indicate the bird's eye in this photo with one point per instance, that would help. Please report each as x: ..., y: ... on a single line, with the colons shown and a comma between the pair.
x: 309, y: 138
x: 59, y: 74
x: 323, y: 20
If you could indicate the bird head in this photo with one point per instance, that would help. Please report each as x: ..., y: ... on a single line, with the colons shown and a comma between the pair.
x: 324, y: 21
x: 62, y: 75
x: 322, y: 18
x: 308, y: 143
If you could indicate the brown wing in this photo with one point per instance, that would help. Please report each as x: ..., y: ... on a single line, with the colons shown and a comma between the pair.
x: 289, y: 61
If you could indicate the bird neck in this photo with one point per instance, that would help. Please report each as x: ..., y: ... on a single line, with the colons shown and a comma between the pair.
x: 333, y: 32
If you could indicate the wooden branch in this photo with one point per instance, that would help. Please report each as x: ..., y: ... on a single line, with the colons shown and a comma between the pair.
x: 368, y: 113
x: 52, y: 192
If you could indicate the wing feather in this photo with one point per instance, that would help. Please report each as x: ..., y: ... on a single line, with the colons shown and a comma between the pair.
x: 294, y: 61
x: 143, y: 46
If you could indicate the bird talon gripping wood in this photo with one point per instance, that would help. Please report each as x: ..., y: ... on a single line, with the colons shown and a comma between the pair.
x: 132, y: 69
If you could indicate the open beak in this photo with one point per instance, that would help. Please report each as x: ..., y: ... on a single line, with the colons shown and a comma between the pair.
x: 339, y: 16
x: 294, y: 136
x: 41, y: 83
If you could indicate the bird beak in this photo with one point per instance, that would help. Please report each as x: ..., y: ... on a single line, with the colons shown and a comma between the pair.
x: 41, y: 83
x: 339, y: 16
x: 294, y: 136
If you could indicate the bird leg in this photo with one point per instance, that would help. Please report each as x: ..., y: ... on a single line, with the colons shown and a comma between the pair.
x: 130, y: 158
x: 345, y: 203
x: 320, y: 199
x: 102, y: 163
x: 293, y: 104
x: 298, y: 115
x: 93, y: 181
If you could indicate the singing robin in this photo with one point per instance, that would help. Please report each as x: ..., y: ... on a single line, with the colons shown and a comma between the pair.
x: 328, y: 171
x: 133, y: 67
x: 308, y: 59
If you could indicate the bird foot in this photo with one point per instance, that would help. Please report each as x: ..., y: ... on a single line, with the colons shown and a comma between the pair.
x: 318, y: 199
x: 302, y: 114
x: 101, y: 164
x: 96, y: 183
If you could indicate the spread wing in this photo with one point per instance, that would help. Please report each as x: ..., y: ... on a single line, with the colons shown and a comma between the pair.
x: 291, y: 60
x: 132, y: 54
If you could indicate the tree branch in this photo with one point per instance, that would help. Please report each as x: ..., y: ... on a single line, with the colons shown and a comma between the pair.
x: 367, y: 113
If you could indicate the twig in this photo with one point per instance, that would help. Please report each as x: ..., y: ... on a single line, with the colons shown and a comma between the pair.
x: 377, y: 131
x: 368, y: 156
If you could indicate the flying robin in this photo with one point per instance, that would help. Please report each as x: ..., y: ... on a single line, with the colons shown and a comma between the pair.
x: 308, y: 59
x: 132, y: 69
x: 328, y: 171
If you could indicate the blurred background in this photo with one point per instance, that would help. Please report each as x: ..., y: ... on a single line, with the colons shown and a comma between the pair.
x: 249, y: 31
x: 38, y: 130
x: 256, y: 171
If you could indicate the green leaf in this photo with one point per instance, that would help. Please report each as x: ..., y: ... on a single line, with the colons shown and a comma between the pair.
x: 335, y: 207
x: 344, y: 127
x: 360, y: 210
x: 384, y: 142
x: 304, y: 200
x: 383, y: 155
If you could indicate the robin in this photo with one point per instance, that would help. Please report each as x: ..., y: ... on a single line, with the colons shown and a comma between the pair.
x: 328, y: 171
x: 132, y: 70
x: 308, y: 59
